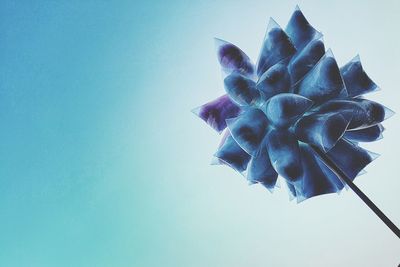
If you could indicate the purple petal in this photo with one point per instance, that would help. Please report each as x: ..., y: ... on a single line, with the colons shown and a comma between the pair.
x: 232, y: 58
x: 216, y: 112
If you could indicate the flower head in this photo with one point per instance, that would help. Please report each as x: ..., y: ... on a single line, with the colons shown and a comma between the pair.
x: 293, y: 99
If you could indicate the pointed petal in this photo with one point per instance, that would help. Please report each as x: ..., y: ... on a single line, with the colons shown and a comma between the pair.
x: 291, y: 190
x: 241, y: 89
x: 215, y: 113
x: 300, y: 31
x: 274, y: 81
x: 322, y: 130
x: 249, y: 129
x: 388, y: 112
x: 323, y: 82
x: 283, y: 109
x: 339, y: 106
x: 276, y: 47
x: 318, y: 179
x: 374, y: 112
x: 260, y: 169
x: 369, y: 134
x: 356, y: 80
x: 365, y: 113
x: 233, y: 59
x: 305, y: 60
x: 350, y: 158
x: 284, y: 153
x: 345, y: 107
x: 215, y: 160
x: 330, y: 175
x: 231, y: 154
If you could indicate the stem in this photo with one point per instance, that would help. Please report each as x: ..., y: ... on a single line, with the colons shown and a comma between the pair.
x: 346, y: 180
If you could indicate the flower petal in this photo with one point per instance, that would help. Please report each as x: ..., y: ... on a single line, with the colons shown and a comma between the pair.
x: 350, y: 158
x: 215, y: 113
x: 365, y: 113
x: 284, y: 153
x: 249, y: 129
x: 300, y: 31
x: 322, y: 130
x: 323, y: 82
x: 260, y: 169
x: 374, y: 112
x: 318, y: 178
x: 283, y: 109
x: 241, y: 89
x: 291, y: 190
x: 305, y: 60
x: 232, y: 58
x: 356, y: 80
x: 276, y: 47
x: 274, y: 81
x: 231, y: 154
x: 369, y: 134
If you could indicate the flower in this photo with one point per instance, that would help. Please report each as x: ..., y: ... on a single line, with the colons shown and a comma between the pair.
x: 294, y: 99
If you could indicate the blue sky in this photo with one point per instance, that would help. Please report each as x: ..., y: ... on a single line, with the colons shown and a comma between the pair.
x: 102, y: 163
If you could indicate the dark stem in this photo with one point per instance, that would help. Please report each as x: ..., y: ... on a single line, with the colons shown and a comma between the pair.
x: 346, y: 180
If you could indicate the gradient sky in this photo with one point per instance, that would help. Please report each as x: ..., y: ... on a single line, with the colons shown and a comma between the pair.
x: 102, y: 163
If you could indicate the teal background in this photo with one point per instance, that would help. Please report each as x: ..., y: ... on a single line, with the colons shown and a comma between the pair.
x: 102, y: 163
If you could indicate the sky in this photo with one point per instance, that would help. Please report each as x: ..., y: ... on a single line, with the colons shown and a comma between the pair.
x: 103, y: 164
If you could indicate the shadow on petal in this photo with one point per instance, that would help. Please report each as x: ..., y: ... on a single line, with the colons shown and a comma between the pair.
x: 322, y: 130
x: 318, y: 179
x: 233, y: 59
x: 300, y: 31
x: 323, y: 82
x: 231, y: 154
x: 356, y: 80
x: 369, y: 134
x: 260, y: 169
x: 284, y: 153
x: 241, y: 89
x: 276, y: 47
x: 274, y: 81
x: 249, y: 129
x: 305, y: 60
x: 283, y: 109
x: 365, y: 113
x: 350, y: 158
x: 374, y: 112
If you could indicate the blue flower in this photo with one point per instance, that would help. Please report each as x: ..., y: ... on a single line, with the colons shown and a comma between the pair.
x: 293, y: 99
